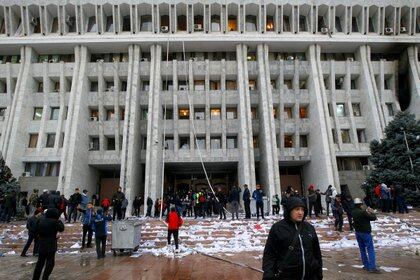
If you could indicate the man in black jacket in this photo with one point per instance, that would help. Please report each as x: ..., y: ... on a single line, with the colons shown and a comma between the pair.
x: 247, y: 201
x: 117, y: 200
x: 46, y: 230
x: 292, y: 250
x: 74, y: 201
x: 31, y: 226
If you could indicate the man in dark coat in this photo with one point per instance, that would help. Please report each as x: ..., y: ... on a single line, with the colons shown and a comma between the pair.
x: 246, y: 197
x: 348, y: 208
x: 31, y: 226
x: 221, y: 197
x: 149, y: 203
x: 46, y: 230
x: 9, y: 207
x: 74, y: 201
x: 337, y: 210
x: 117, y: 200
x: 292, y: 250
x: 44, y: 199
x: 234, y: 202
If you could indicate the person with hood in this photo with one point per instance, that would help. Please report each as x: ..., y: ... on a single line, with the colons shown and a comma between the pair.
x: 362, y: 217
x: 337, y: 210
x: 259, y: 203
x: 174, y: 223
x: 330, y: 193
x: 100, y: 227
x: 31, y: 227
x: 234, y: 202
x: 246, y: 197
x: 46, y: 230
x: 312, y: 200
x: 292, y: 250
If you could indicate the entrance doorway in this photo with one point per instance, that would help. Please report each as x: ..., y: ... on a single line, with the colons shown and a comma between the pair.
x: 109, y: 183
x: 291, y: 176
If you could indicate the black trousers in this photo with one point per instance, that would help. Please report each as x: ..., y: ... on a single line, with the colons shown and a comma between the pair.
x: 87, y: 229
x: 222, y: 211
x: 338, y: 223
x: 117, y: 212
x: 311, y: 206
x: 100, y: 242
x: 47, y: 260
x: 260, y: 207
x: 72, y: 213
x: 175, y: 233
x: 31, y: 237
x: 247, y: 209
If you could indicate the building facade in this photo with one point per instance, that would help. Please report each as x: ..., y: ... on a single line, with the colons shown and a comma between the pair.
x: 143, y: 93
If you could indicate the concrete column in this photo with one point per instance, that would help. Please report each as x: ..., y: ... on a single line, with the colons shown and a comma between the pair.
x: 414, y: 78
x: 131, y: 171
x: 269, y: 165
x: 153, y: 176
x: 246, y: 164
x: 75, y: 170
x: 320, y: 171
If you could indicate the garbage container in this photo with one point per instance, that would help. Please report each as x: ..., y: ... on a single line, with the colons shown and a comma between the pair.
x: 126, y: 235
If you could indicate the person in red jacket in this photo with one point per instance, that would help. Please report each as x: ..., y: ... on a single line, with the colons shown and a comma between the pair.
x: 174, y: 222
x: 105, y: 204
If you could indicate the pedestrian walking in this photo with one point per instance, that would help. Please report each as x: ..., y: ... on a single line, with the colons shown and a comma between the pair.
x: 174, y: 223
x: 46, y: 230
x: 100, y: 227
x: 259, y: 203
x: 31, y: 224
x: 362, y: 217
x: 292, y: 249
x: 246, y: 197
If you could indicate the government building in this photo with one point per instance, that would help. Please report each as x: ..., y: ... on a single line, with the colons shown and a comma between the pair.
x: 143, y: 93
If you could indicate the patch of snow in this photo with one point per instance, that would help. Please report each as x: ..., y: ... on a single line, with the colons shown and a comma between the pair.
x: 76, y: 246
x: 389, y: 269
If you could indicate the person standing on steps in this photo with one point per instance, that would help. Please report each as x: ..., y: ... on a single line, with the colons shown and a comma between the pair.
x: 234, y: 202
x: 246, y: 197
x: 337, y: 209
x: 259, y: 203
x: 174, y: 223
x: 362, y: 217
x: 292, y: 249
x: 117, y: 200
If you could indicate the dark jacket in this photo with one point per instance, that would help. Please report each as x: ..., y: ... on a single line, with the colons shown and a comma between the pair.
x: 31, y: 224
x: 149, y: 202
x: 279, y: 240
x: 361, y: 219
x: 75, y: 199
x: 44, y: 200
x: 47, y: 229
x: 118, y: 198
x: 247, y: 195
x: 221, y: 197
x: 234, y: 195
x: 348, y: 206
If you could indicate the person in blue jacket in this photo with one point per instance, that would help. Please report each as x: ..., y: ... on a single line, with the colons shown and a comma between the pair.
x: 258, y: 196
x: 88, y: 217
x: 100, y: 227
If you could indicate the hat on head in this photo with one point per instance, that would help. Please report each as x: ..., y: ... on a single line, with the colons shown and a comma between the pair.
x: 358, y: 201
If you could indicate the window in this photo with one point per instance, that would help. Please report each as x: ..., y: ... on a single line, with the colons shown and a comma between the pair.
x: 361, y: 136
x: 288, y: 113
x: 338, y: 27
x: 341, y: 110
x: 303, y: 112
x: 302, y: 23
x: 199, y: 114
x: 109, y: 86
x: 109, y: 24
x: 144, y: 143
x: 254, y: 113
x: 93, y: 86
x: 2, y: 114
x: 390, y: 108
x: 110, y: 145
x: 286, y: 23
x: 288, y: 83
x: 122, y: 114
x: 345, y: 136
x: 354, y: 26
x: 288, y: 141
x: 33, y: 140
x: 302, y: 84
x: 124, y: 86
x: 169, y: 115
x: 169, y: 143
x: 231, y: 142
x: 388, y: 83
x: 94, y: 114
x: 50, y: 140
x: 215, y: 143
x: 353, y: 84
x: 37, y: 114
x: 252, y: 85
x: 184, y: 114
x: 94, y: 144
x: 214, y: 85
x: 200, y: 143
x: 273, y: 84
x: 126, y: 23
x: 275, y: 115
x: 56, y: 87
x: 330, y: 110
x: 144, y: 114
x: 92, y: 27
x: 54, y: 113
x: 303, y: 141
x: 182, y: 85
x: 61, y: 141
x: 230, y: 85
x: 184, y: 143
x: 356, y: 109
x: 255, y: 142
x: 145, y: 86
x: 339, y: 82
x: 215, y: 113
x: 231, y: 113
x: 199, y: 85
x: 110, y: 115
x: 40, y: 87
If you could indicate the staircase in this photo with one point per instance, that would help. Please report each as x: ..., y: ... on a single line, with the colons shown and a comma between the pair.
x: 216, y: 236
